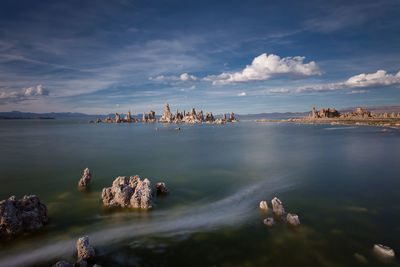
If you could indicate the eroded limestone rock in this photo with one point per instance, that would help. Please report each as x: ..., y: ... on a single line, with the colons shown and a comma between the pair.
x: 85, y: 251
x: 263, y: 205
x: 84, y: 181
x: 17, y: 216
x: 269, y: 221
x: 167, y: 115
x: 384, y: 251
x: 277, y: 207
x: 128, y: 192
x: 292, y: 219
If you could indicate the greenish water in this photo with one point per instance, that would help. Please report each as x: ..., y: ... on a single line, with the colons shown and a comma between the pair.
x: 343, y: 182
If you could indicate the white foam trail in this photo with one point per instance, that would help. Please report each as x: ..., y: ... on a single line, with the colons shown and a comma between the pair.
x: 231, y: 210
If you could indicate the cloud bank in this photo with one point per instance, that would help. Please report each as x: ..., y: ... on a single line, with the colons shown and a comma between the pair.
x: 184, y: 77
x: 378, y: 79
x: 24, y: 94
x: 265, y: 67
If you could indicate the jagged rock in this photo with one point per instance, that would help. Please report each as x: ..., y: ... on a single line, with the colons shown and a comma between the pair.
x: 224, y: 117
x: 219, y: 121
x: 128, y: 117
x: 314, y: 113
x: 167, y: 115
x: 98, y: 121
x: 81, y: 263
x: 128, y: 192
x: 232, y: 117
x: 142, y: 196
x: 161, y: 188
x: 263, y: 205
x: 144, y: 117
x: 178, y: 128
x: 108, y: 119
x: 269, y: 221
x: 63, y: 264
x: 84, y: 181
x: 152, y: 116
x: 209, y: 117
x: 85, y: 251
x: 200, y: 115
x: 384, y: 251
x: 277, y: 207
x: 117, y: 118
x: 17, y: 216
x: 293, y: 219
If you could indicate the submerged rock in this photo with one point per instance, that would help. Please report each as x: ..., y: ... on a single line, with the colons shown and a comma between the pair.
x: 384, y: 251
x: 128, y: 192
x: 292, y: 219
x: 84, y: 181
x: 269, y: 221
x: 17, y: 216
x: 63, y: 264
x: 85, y: 251
x: 264, y: 205
x: 161, y: 188
x: 277, y: 207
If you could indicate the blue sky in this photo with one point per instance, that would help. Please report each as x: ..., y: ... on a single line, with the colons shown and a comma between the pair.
x: 221, y: 56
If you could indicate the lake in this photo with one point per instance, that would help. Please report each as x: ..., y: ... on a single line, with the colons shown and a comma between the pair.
x: 342, y: 181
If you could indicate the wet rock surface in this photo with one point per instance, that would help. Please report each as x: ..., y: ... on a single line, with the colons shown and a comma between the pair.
x: 129, y: 192
x: 17, y: 216
x: 264, y: 205
x: 269, y: 221
x: 277, y: 207
x: 292, y: 219
x: 384, y: 251
x: 85, y: 251
x: 161, y: 188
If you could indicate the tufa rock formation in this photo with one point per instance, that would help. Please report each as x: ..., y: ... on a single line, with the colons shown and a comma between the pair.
x: 161, y: 188
x: 129, y: 192
x: 384, y: 251
x: 84, y: 181
x: 292, y: 219
x: 269, y: 221
x: 324, y: 113
x: 263, y: 205
x: 17, y: 216
x: 85, y: 251
x: 167, y: 115
x: 277, y: 207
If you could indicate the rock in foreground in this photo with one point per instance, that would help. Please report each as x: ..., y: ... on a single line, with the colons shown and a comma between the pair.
x: 84, y: 181
x: 384, y: 251
x: 85, y: 251
x: 17, y: 216
x: 129, y: 192
x: 269, y: 221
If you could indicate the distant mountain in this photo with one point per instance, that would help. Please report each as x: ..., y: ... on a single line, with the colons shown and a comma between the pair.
x: 376, y: 109
x: 30, y: 115
x: 273, y: 116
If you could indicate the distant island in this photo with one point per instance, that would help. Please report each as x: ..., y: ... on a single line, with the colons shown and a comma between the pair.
x: 357, y: 117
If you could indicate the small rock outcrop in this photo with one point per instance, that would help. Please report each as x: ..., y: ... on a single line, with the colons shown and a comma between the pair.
x: 292, y: 219
x: 263, y: 205
x: 277, y: 207
x: 269, y: 221
x: 161, y: 188
x: 84, y: 181
x: 117, y: 118
x: 17, y: 216
x: 129, y: 192
x: 85, y: 251
x: 384, y: 251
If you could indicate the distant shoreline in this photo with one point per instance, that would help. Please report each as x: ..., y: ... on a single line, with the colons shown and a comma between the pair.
x: 26, y: 118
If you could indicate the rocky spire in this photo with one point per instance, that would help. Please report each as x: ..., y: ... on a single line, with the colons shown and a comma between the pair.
x: 232, y: 117
x: 167, y: 115
x: 224, y: 117
x: 152, y: 116
x: 117, y: 118
x: 144, y: 118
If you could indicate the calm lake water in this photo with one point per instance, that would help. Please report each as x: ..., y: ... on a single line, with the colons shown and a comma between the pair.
x: 342, y: 181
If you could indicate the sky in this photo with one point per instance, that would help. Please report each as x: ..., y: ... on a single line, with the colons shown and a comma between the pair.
x: 100, y: 57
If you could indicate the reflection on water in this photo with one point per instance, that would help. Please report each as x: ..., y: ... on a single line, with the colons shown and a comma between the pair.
x: 342, y: 183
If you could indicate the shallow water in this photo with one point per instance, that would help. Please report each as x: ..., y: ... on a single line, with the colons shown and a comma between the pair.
x: 342, y: 181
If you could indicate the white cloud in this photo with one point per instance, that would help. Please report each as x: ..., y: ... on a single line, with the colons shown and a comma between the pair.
x: 191, y: 88
x: 279, y: 91
x: 378, y: 79
x: 265, y: 67
x: 242, y: 94
x: 353, y: 92
x: 184, y: 77
x: 24, y: 94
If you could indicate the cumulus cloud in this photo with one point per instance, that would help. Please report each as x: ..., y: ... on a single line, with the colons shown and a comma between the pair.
x: 24, y: 94
x: 191, y: 88
x: 378, y: 79
x: 265, y: 67
x: 279, y: 91
x: 184, y: 77
x: 242, y: 94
